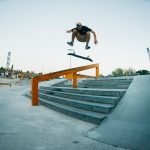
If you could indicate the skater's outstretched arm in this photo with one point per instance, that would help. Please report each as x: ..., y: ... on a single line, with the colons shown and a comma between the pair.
x: 69, y: 31
x: 95, y: 38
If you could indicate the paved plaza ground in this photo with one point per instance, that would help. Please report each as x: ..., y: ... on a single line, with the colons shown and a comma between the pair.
x: 24, y: 127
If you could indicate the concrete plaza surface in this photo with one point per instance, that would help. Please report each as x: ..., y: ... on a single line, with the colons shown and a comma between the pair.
x: 24, y: 127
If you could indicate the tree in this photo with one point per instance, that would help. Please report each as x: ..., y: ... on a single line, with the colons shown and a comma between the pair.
x: 143, y: 72
x: 2, y: 70
x: 129, y: 72
x: 118, y: 72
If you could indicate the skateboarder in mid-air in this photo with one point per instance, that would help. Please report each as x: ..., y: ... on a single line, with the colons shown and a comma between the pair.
x: 82, y: 33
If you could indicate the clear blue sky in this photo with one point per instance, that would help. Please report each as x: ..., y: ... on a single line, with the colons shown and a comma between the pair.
x: 35, y: 32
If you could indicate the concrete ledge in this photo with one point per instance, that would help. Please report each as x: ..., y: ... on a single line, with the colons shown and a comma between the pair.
x: 5, y: 84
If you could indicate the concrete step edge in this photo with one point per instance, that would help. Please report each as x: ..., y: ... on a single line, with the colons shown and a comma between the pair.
x: 91, y: 106
x: 84, y: 97
x: 84, y: 115
x: 93, y: 91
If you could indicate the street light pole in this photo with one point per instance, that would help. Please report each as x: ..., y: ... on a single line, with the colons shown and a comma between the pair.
x: 148, y: 52
x: 70, y: 56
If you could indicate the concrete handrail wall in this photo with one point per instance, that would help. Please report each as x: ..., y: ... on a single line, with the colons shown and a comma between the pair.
x: 45, y: 77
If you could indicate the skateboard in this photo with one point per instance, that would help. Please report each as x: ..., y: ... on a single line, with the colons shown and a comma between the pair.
x: 79, y: 56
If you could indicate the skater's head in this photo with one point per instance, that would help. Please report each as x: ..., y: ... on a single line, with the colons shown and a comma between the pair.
x: 79, y: 25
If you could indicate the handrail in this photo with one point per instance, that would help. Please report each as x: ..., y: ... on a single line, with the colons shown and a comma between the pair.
x: 45, y: 77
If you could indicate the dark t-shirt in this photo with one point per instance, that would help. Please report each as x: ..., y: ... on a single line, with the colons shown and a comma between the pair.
x: 83, y: 30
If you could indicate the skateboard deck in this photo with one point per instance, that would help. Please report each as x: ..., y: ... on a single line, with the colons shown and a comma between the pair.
x: 79, y: 56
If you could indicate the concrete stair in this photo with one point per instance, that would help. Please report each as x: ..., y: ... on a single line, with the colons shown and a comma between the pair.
x: 105, y: 83
x: 88, y: 104
x: 92, y: 117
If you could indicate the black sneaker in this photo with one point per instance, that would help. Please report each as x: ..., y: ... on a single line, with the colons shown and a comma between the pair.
x: 87, y: 47
x: 70, y: 43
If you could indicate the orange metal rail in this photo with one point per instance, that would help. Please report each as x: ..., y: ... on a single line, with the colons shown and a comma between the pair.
x: 45, y: 77
x: 70, y: 76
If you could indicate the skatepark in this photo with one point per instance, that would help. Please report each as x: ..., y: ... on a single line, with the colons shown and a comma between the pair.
x: 75, y: 75
x: 24, y: 126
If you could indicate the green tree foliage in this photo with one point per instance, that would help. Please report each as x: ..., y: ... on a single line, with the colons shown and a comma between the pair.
x: 124, y: 72
x: 129, y: 72
x: 118, y: 72
x: 143, y: 72
x: 2, y: 70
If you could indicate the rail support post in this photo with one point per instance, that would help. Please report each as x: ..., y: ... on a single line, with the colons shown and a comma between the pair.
x: 34, y: 92
x: 97, y: 72
x: 75, y: 80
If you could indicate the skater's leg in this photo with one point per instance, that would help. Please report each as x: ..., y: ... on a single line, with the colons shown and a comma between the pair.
x: 87, y: 40
x: 74, y: 34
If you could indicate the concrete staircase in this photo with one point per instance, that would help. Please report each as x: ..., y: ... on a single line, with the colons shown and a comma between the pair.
x: 107, y: 83
x: 91, y: 102
x: 102, y: 83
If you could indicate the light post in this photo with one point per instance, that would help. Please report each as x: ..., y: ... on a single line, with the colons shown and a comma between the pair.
x: 70, y: 55
x: 148, y: 52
